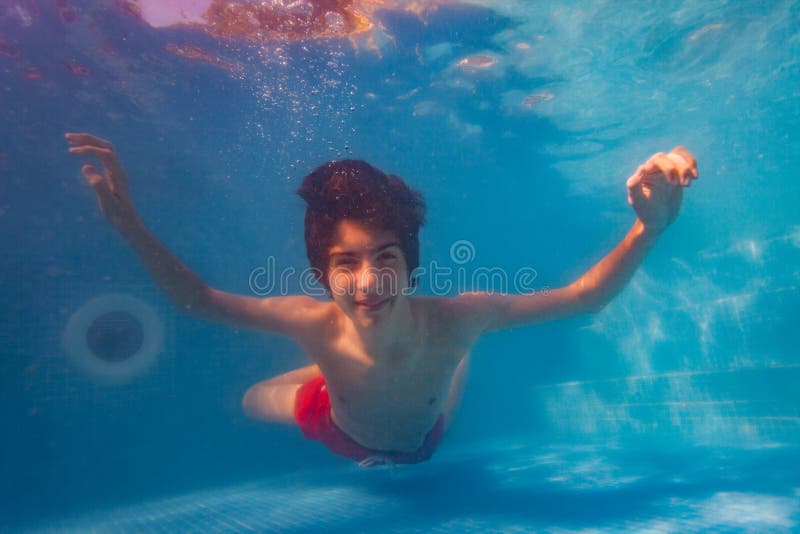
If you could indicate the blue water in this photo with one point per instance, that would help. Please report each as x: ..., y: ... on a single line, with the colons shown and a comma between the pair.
x: 674, y: 409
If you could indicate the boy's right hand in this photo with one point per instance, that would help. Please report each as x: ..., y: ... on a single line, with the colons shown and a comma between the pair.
x: 112, y: 185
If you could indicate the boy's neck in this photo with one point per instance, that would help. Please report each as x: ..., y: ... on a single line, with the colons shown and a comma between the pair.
x: 389, y: 332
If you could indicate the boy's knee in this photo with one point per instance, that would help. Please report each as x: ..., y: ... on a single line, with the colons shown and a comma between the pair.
x: 255, y: 401
x: 249, y: 402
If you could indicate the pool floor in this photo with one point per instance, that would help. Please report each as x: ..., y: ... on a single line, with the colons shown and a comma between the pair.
x: 496, y: 489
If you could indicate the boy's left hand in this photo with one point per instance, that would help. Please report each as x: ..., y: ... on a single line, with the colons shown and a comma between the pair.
x: 656, y: 188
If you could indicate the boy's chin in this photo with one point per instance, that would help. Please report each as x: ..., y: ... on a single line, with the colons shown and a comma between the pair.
x: 370, y: 313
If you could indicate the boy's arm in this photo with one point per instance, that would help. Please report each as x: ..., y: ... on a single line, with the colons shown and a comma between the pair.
x: 292, y: 316
x: 655, y: 191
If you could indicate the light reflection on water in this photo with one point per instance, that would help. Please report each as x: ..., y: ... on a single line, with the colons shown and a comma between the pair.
x: 703, y: 349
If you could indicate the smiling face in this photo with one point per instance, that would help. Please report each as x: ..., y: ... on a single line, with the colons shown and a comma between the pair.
x: 367, y: 272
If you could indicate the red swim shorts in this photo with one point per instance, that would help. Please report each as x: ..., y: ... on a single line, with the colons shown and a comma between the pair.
x: 312, y: 409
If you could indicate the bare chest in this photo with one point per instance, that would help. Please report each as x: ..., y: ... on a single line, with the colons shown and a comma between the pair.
x: 389, y: 401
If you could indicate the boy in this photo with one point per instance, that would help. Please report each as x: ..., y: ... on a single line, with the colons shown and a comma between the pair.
x: 388, y: 367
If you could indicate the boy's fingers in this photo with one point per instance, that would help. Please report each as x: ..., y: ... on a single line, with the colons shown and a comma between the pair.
x: 105, y: 155
x: 662, y: 174
x: 666, y: 166
x: 691, y: 163
x: 685, y: 154
x: 653, y: 167
x: 77, y: 139
x: 104, y: 188
x: 634, y: 185
x: 636, y: 194
x: 635, y: 178
x: 107, y: 158
x: 92, y: 175
x: 682, y: 168
x: 101, y: 187
x: 99, y: 152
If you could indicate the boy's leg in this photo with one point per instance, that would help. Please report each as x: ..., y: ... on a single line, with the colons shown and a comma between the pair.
x: 453, y: 401
x: 273, y: 400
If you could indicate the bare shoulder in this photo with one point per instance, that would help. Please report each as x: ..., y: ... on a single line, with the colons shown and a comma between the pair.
x: 299, y: 313
x: 300, y: 308
x: 460, y: 319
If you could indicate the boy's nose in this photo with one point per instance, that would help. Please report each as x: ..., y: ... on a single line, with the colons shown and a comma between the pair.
x: 367, y: 280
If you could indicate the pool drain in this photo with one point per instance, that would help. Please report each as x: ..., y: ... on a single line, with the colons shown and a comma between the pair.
x: 114, y: 338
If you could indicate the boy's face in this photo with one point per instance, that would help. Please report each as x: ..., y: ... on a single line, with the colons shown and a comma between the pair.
x: 367, y: 272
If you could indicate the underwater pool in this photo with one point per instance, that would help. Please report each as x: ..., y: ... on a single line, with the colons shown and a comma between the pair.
x: 674, y: 408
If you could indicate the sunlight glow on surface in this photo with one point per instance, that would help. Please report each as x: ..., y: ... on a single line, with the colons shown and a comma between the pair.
x: 272, y: 20
x: 161, y: 13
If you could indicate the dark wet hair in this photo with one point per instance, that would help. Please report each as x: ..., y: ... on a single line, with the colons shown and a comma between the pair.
x: 354, y: 189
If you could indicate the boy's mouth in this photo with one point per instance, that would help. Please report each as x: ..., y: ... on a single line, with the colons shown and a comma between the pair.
x: 373, y: 305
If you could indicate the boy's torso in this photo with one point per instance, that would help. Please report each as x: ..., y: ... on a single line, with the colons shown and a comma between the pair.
x: 390, y: 401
